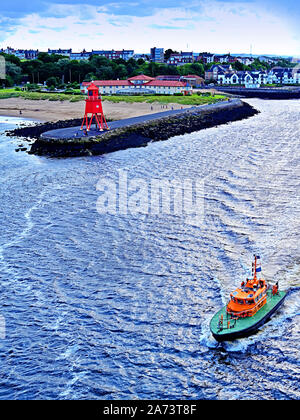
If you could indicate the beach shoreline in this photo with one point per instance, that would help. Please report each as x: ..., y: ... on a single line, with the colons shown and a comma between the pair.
x: 52, y: 111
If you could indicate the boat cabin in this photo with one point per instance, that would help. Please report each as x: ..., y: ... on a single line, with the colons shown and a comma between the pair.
x: 250, y: 297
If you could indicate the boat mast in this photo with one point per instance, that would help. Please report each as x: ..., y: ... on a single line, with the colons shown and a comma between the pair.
x: 255, y: 263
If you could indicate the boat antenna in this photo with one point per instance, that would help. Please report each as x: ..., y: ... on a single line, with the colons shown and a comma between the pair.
x: 255, y: 265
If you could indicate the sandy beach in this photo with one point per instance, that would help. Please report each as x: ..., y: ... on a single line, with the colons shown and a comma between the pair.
x: 56, y: 110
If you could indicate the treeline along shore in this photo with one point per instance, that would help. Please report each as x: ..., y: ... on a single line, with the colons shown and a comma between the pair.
x: 132, y: 135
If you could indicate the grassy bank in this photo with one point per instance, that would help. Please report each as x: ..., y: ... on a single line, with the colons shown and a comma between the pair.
x: 163, y: 99
x: 39, y: 96
x: 183, y: 100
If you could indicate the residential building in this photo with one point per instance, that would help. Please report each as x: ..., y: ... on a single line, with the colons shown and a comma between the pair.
x: 193, y: 80
x: 245, y: 78
x: 145, y: 57
x: 213, y: 72
x: 245, y: 60
x: 284, y: 76
x: 206, y: 58
x: 31, y: 54
x: 66, y: 53
x: 222, y: 58
x: 114, y: 55
x: 22, y: 54
x: 172, y: 77
x: 180, y: 59
x: 84, y: 55
x: 157, y: 55
x: 268, y: 60
x: 127, y: 54
x: 295, y: 60
x: 277, y: 75
x: 17, y: 53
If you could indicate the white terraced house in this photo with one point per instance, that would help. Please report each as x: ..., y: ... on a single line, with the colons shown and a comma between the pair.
x: 277, y: 75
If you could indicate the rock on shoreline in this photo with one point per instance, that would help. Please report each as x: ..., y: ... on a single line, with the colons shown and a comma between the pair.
x: 137, y: 135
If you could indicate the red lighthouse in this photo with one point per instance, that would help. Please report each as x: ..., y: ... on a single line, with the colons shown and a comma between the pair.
x: 93, y: 108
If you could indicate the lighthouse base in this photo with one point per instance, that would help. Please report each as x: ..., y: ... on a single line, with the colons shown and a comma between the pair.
x: 100, y: 122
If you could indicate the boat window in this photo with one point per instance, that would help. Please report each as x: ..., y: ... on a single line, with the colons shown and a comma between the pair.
x: 241, y: 302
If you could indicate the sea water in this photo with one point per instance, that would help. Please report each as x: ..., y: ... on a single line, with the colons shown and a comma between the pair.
x: 117, y: 304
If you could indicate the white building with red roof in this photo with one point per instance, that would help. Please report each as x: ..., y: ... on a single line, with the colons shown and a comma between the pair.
x: 139, y: 85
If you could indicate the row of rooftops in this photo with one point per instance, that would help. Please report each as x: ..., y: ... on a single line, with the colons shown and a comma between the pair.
x: 178, y: 58
x: 227, y: 70
x: 142, y: 80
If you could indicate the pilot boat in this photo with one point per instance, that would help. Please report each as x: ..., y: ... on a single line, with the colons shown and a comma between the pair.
x: 249, y: 307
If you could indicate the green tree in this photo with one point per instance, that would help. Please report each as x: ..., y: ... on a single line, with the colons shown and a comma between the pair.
x: 168, y: 53
x: 89, y: 77
x: 237, y: 65
x: 198, y: 69
x: 12, y: 59
x: 32, y: 68
x: 153, y: 69
x: 14, y: 72
x: 52, y: 81
x: 121, y: 72
x: 105, y: 73
x: 44, y: 57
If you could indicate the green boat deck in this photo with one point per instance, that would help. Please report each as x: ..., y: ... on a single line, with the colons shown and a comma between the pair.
x: 241, y: 324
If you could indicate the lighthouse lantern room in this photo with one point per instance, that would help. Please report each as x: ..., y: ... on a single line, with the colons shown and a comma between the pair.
x: 93, y: 108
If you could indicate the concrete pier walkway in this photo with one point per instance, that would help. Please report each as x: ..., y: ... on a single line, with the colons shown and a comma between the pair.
x: 73, y: 132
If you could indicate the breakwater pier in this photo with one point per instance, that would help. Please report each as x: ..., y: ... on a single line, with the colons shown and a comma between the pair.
x: 65, y: 139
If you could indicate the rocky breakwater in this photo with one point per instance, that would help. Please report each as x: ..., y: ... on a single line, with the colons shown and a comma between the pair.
x: 35, y: 131
x: 138, y: 135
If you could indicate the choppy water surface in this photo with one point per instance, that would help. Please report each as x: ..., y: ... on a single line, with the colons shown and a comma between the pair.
x: 118, y: 306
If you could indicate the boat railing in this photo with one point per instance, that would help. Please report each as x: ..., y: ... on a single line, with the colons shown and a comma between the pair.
x: 227, y: 325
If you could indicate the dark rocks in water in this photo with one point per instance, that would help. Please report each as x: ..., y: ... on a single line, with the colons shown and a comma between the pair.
x: 140, y: 135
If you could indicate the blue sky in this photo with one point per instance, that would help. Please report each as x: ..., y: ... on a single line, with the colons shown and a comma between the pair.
x: 200, y: 25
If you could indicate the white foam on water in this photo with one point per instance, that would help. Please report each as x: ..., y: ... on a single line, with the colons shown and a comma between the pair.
x: 22, y: 235
x: 69, y: 392
x: 206, y: 339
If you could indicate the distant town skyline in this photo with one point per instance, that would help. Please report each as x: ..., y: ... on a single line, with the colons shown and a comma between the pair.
x: 219, y: 26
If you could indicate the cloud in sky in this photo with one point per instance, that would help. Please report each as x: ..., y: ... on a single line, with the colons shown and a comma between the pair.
x: 200, y: 25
